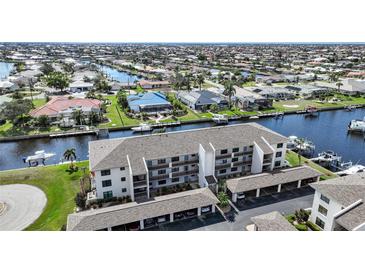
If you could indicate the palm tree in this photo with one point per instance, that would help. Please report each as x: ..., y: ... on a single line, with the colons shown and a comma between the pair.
x: 78, y: 116
x: 223, y: 199
x: 70, y: 155
x: 200, y: 80
x: 339, y: 84
x: 300, y: 146
x: 229, y: 91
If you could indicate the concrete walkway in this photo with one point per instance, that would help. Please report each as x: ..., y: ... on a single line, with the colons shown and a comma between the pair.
x: 23, y: 205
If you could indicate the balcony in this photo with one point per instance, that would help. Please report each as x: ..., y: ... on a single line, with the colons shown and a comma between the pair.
x: 236, y: 154
x: 187, y: 162
x: 220, y: 166
x: 184, y: 173
x: 158, y: 166
x: 223, y: 156
x: 140, y: 184
x: 159, y: 177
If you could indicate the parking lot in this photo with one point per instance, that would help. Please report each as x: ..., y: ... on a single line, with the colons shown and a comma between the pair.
x: 284, y: 202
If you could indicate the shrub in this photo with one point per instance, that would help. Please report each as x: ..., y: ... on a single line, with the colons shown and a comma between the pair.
x: 80, y: 200
x: 301, y: 227
x: 313, y: 226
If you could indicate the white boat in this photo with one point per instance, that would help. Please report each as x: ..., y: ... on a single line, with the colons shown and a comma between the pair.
x: 357, y: 125
x: 300, y: 144
x: 142, y: 128
x: 351, y: 170
x: 39, y: 155
x: 220, y: 119
x: 254, y: 117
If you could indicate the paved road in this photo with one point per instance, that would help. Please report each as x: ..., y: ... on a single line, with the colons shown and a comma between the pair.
x: 23, y: 205
x: 285, y: 203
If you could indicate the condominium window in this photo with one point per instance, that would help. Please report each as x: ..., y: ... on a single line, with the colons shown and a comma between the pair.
x: 122, y: 179
x: 234, y: 159
x: 175, y: 159
x: 193, y: 155
x: 124, y: 190
x: 186, y: 168
x: 224, y: 151
x: 186, y: 157
x: 162, y: 171
x: 322, y: 210
x: 222, y: 171
x: 175, y: 180
x: 122, y: 168
x: 280, y: 145
x: 233, y: 169
x: 224, y: 161
x: 320, y: 223
x: 161, y: 182
x: 245, y: 149
x: 161, y: 161
x: 277, y: 163
x: 175, y: 169
x: 325, y: 199
x: 108, y: 194
x: 236, y: 149
x: 106, y: 183
x: 278, y: 154
x: 105, y: 172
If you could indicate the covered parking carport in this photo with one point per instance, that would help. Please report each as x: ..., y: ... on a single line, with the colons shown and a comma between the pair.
x: 270, y: 183
x: 138, y: 216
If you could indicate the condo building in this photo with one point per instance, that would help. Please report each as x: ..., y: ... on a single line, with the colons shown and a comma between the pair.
x: 139, y: 167
x: 338, y: 203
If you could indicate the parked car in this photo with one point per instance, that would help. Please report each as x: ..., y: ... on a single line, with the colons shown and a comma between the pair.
x: 178, y: 215
x: 133, y: 227
x: 161, y: 219
x: 206, y: 209
x: 149, y: 222
x: 190, y: 213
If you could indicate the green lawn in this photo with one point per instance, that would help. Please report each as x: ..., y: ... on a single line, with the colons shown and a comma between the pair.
x: 293, y: 160
x: 39, y: 102
x: 116, y: 115
x: 59, y: 186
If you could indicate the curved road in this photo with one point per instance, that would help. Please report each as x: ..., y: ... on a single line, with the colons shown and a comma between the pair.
x: 23, y: 205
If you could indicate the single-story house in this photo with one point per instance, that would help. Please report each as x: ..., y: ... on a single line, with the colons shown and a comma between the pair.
x: 80, y: 86
x: 199, y: 99
x: 149, y: 102
x: 146, y: 84
x: 60, y: 109
x: 7, y: 86
x: 248, y: 99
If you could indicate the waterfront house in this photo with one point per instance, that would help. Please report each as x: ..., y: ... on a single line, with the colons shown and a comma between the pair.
x: 338, y: 204
x: 149, y: 102
x: 80, y: 86
x: 7, y: 86
x: 199, y: 100
x: 60, y: 109
x: 248, y: 99
x: 147, y: 84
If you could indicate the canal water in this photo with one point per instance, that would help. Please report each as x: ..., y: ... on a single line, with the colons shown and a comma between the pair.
x: 328, y: 132
x: 119, y: 76
x: 5, y: 69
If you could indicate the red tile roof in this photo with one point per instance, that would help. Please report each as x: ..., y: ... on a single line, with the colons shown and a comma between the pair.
x: 59, y: 103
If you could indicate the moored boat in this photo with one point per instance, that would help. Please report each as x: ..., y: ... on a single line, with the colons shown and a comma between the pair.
x: 143, y: 127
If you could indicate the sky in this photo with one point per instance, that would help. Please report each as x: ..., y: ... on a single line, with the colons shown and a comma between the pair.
x: 182, y: 21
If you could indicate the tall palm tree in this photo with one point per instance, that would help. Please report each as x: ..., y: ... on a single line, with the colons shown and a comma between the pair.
x: 229, y: 91
x: 70, y: 155
x: 200, y: 80
x: 339, y: 84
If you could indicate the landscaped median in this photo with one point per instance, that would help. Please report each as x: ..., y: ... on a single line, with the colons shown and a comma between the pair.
x: 293, y: 160
x: 60, y: 186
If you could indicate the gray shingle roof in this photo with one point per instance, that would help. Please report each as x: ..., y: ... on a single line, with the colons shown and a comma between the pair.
x: 272, y: 221
x: 132, y: 212
x: 107, y: 154
x: 261, y: 180
x: 345, y: 190
x: 352, y: 218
